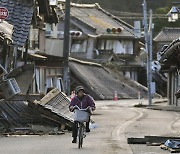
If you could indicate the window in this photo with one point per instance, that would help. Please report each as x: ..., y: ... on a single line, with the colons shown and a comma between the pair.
x: 127, y: 46
x: 118, y: 46
x: 47, y: 78
x: 79, y: 46
x: 101, y: 44
x: 54, y: 82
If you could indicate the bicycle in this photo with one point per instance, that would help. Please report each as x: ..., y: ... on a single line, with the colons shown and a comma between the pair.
x: 81, y: 116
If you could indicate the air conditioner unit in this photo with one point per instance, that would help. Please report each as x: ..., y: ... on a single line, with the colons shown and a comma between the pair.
x: 9, y: 88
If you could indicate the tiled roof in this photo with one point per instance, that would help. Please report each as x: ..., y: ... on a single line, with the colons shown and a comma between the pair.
x: 97, y: 20
x: 170, y: 54
x: 20, y: 16
x: 168, y: 34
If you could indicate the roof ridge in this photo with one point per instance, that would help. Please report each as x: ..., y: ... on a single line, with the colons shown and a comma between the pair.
x: 172, y: 28
x: 84, y: 62
x: 83, y: 5
x: 113, y: 16
x: 79, y: 5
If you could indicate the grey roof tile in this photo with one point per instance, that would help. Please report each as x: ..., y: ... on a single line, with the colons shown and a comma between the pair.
x: 20, y: 15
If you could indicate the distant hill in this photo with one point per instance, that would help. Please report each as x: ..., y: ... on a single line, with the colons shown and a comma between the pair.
x: 128, y: 5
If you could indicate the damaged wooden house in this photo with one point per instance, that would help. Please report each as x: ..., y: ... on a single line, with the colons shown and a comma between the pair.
x: 161, y: 41
x: 23, y: 58
x: 99, y: 37
x: 170, y: 65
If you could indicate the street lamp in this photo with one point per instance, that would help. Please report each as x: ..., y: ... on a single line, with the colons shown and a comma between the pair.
x: 173, y: 14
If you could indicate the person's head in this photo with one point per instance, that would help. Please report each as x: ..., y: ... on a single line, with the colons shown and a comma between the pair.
x: 79, y: 91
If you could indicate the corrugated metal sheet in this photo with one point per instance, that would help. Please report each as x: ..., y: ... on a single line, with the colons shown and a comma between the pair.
x: 101, y: 84
x: 168, y: 34
x: 20, y: 15
x: 55, y: 105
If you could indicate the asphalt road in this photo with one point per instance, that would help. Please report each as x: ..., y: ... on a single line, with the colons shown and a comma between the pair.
x: 117, y: 120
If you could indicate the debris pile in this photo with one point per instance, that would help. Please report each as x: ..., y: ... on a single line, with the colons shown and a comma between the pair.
x: 167, y: 143
x: 50, y: 116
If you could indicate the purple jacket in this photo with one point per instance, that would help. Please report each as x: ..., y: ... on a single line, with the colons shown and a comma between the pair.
x: 87, y: 101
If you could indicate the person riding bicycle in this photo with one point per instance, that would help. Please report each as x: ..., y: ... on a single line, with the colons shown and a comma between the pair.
x: 83, y: 101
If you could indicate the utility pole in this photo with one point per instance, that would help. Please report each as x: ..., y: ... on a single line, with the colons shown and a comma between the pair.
x: 66, y: 78
x: 149, y: 58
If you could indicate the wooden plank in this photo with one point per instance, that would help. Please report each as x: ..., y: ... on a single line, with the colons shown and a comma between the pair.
x: 136, y: 140
x: 153, y: 144
x: 30, y: 97
x: 151, y: 140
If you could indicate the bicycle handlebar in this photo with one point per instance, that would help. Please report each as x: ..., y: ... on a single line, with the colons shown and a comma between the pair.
x: 88, y: 109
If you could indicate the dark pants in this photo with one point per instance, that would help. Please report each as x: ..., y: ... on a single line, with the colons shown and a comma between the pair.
x: 75, y: 128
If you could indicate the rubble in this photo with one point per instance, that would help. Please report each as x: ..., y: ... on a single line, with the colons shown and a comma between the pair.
x: 50, y: 116
x: 55, y: 106
x: 166, y: 143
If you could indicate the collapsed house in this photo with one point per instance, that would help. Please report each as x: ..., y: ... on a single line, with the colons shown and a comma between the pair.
x: 49, y: 115
x: 102, y: 84
x: 101, y: 37
x: 169, y: 59
x: 18, y: 42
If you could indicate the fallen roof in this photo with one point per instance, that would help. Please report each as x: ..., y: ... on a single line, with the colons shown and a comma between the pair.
x: 168, y: 34
x: 52, y: 109
x: 17, y: 114
x: 20, y: 16
x: 100, y: 83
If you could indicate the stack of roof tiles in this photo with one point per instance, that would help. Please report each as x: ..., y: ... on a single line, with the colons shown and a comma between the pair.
x: 20, y: 16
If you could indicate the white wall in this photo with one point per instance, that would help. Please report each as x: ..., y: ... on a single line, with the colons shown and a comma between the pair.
x: 118, y: 46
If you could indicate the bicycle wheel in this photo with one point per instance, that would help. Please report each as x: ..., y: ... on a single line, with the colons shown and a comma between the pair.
x: 80, y: 136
